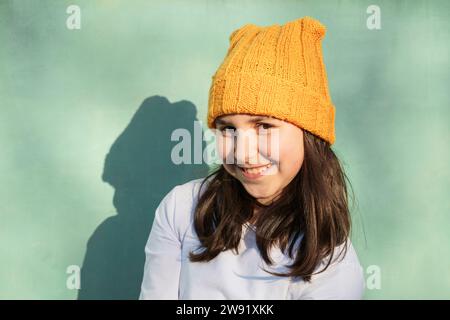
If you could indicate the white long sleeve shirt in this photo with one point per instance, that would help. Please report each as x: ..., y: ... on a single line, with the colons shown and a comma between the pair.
x: 168, y: 273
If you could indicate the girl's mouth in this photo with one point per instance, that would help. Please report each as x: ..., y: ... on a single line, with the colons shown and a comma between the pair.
x: 255, y: 172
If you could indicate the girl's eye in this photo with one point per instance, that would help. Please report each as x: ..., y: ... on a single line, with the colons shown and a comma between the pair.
x: 227, y: 128
x: 265, y: 126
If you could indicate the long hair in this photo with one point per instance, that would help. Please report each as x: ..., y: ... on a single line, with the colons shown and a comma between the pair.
x: 312, y: 208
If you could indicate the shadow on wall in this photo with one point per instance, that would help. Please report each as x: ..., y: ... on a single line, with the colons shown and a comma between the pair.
x: 139, y: 168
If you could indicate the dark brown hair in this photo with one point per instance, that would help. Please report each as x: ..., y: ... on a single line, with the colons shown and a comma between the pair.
x: 313, y: 207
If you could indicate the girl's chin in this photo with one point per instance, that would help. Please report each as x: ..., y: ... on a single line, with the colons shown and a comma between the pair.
x: 262, y: 194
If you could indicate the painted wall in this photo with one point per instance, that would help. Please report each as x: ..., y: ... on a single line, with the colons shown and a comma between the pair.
x: 86, y: 117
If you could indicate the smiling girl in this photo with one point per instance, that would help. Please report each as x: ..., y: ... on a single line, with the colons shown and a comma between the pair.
x: 274, y: 222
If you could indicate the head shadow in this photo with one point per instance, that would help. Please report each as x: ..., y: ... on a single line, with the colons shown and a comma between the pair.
x: 140, y: 169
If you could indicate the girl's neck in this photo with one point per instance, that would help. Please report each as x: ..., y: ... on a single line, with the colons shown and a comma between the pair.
x: 256, y: 212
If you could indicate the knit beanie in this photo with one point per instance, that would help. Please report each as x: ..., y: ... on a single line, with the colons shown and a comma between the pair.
x: 275, y: 71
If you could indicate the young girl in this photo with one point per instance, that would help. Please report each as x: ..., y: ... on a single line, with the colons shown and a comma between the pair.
x: 266, y: 225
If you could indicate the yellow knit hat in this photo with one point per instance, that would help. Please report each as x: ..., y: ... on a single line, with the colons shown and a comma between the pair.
x: 276, y: 71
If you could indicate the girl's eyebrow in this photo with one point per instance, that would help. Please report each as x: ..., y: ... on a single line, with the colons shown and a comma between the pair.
x: 253, y: 120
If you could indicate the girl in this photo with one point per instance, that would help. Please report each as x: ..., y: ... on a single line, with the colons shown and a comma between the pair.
x: 272, y: 223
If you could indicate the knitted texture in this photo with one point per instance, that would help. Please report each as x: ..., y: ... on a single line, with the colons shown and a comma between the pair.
x: 276, y: 71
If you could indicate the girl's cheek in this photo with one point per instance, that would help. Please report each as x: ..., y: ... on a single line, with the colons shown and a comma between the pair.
x: 224, y: 148
x: 270, y: 146
x: 293, y: 162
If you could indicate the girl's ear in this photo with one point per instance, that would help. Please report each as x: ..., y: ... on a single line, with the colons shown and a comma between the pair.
x: 238, y: 34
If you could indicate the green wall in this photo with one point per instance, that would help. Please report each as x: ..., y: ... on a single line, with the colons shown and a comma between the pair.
x: 86, y: 117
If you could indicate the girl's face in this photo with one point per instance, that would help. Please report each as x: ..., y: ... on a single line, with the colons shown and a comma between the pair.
x: 263, y: 153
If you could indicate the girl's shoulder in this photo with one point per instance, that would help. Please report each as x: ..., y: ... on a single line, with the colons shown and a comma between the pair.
x: 189, y: 191
x: 178, y: 206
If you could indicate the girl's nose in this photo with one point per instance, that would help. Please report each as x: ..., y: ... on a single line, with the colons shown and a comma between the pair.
x: 246, y: 147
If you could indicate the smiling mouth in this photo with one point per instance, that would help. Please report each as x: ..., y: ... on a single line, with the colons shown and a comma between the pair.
x: 255, y: 170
